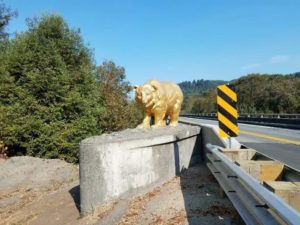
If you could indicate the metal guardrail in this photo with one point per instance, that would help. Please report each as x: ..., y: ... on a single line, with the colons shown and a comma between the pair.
x: 249, y: 115
x: 271, y: 116
x: 255, y: 204
x: 276, y: 120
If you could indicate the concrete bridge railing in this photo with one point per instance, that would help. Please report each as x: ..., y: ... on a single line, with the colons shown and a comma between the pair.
x: 129, y: 162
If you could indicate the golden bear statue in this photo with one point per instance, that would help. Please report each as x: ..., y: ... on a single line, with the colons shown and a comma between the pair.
x: 159, y: 100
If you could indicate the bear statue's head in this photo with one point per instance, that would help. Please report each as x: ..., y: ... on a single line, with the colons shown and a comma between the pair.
x: 146, y: 94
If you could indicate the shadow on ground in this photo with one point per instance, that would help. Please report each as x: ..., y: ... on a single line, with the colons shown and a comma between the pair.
x: 75, y: 193
x: 203, y: 199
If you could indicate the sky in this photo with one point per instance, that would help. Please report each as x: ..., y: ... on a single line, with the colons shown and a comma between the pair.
x: 181, y: 40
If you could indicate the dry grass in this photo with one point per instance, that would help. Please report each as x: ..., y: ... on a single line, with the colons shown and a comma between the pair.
x: 137, y: 206
x: 105, y: 210
x: 23, y: 221
x: 178, y: 218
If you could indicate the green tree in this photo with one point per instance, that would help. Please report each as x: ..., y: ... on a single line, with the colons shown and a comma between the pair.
x: 205, y: 103
x: 257, y: 93
x: 6, y: 14
x: 192, y: 90
x: 120, y: 112
x: 49, y: 99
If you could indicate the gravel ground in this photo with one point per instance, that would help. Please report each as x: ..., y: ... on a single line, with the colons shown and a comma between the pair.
x: 39, y: 191
x: 35, y: 173
x: 193, y: 198
x: 31, y: 186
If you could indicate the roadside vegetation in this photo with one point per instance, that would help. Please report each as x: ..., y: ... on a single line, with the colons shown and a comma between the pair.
x: 257, y: 93
x: 192, y: 89
x: 52, y: 94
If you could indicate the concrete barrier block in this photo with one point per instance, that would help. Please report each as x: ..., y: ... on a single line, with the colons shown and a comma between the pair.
x: 262, y: 170
x: 238, y: 154
x: 288, y: 191
x: 128, y: 162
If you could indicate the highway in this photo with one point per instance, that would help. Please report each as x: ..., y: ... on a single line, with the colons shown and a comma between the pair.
x: 277, y: 143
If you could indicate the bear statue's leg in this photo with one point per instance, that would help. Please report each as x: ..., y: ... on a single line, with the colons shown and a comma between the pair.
x: 159, y: 117
x: 146, y: 122
x: 174, y: 119
x: 174, y: 115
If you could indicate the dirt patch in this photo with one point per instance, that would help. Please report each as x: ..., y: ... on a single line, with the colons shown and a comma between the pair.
x: 190, y: 199
x: 105, y: 210
x: 35, y: 173
x: 34, y: 190
x: 136, y: 206
x: 214, y: 210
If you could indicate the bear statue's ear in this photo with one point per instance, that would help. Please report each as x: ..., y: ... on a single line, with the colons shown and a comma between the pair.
x: 155, y: 84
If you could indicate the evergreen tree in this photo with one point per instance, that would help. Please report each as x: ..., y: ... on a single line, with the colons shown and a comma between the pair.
x: 6, y: 15
x: 49, y: 99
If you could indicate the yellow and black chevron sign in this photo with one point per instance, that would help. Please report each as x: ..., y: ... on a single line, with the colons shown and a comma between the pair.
x: 227, y: 112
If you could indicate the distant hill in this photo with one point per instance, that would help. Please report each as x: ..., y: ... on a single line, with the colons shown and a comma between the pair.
x: 295, y: 74
x: 257, y: 93
x: 192, y: 89
x: 199, y: 86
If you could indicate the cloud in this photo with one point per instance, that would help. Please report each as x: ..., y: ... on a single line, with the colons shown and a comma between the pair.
x: 251, y: 66
x: 279, y: 58
x: 274, y: 59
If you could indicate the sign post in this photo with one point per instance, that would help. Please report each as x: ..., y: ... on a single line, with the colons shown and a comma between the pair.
x: 227, y: 112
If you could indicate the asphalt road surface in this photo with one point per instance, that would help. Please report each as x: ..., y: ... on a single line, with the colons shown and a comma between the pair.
x: 278, y: 143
